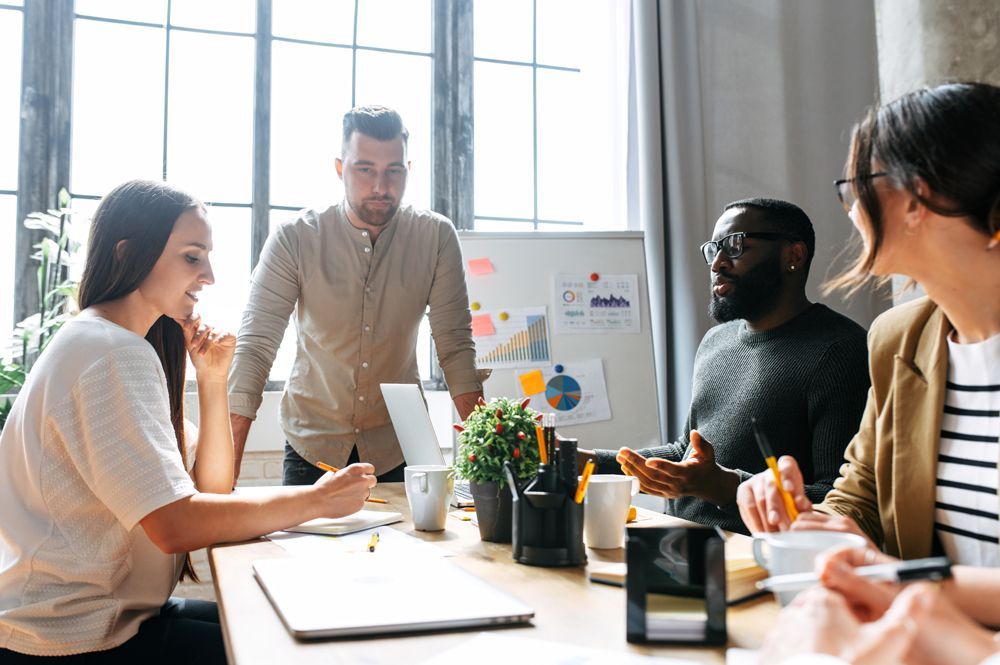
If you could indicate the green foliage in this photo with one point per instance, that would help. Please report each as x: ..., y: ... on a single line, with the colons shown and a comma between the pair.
x: 56, y: 297
x: 494, y: 433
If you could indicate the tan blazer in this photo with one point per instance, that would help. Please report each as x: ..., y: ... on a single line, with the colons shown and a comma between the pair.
x: 888, y: 482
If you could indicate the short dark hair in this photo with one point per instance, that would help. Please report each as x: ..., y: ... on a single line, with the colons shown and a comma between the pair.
x: 379, y: 122
x: 785, y: 217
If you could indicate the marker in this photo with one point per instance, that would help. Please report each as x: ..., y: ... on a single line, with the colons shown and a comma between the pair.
x: 372, y: 542
x: 934, y: 568
x: 768, y: 453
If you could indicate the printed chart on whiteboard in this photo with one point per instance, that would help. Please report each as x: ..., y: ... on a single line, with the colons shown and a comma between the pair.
x: 517, y: 337
x: 574, y: 391
x: 596, y: 304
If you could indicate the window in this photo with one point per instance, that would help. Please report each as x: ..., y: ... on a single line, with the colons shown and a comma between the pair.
x: 545, y: 73
x: 11, y: 22
x: 240, y: 103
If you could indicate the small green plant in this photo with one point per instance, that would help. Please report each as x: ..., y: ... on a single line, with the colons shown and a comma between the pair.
x: 503, y: 429
x: 56, y: 298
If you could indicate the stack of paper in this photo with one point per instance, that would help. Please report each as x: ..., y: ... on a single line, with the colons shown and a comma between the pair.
x: 742, y: 571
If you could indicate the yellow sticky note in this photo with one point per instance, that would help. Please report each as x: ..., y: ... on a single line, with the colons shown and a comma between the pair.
x: 532, y: 382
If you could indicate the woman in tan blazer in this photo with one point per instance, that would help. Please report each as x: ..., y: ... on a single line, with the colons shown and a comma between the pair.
x: 924, y: 192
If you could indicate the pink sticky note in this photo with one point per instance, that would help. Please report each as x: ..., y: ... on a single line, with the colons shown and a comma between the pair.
x: 482, y: 325
x: 480, y: 267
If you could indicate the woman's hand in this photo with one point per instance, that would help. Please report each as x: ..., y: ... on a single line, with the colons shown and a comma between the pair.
x: 819, y: 621
x: 868, y: 599
x: 761, y: 505
x: 211, y: 351
x: 344, y: 492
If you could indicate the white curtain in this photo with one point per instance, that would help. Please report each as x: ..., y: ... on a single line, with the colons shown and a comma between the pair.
x: 732, y: 99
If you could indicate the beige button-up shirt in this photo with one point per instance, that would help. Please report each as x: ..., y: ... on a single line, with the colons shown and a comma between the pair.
x: 358, y: 306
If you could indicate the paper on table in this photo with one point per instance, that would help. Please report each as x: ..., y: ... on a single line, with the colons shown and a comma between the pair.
x: 339, y: 526
x: 490, y: 648
x: 480, y: 266
x: 392, y: 542
x: 741, y: 657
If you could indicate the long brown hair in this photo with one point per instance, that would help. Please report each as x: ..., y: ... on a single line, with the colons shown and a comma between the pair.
x: 127, y: 235
x: 949, y: 137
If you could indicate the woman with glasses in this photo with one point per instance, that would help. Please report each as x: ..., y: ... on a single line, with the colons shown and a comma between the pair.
x: 921, y: 475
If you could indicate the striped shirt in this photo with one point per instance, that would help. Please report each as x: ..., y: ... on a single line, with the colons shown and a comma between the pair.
x: 966, y: 504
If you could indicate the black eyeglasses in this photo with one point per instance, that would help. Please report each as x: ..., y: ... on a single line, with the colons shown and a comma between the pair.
x: 848, y: 193
x: 732, y: 244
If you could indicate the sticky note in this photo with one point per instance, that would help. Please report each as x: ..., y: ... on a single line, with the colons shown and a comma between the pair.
x: 480, y: 266
x: 482, y: 325
x: 532, y: 382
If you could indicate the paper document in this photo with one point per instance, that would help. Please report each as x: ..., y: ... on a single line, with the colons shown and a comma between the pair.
x: 339, y: 526
x: 577, y: 394
x: 392, y: 542
x: 609, y: 304
x: 499, y: 649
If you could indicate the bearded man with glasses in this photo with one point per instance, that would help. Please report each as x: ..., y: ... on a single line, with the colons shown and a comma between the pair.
x: 798, y: 367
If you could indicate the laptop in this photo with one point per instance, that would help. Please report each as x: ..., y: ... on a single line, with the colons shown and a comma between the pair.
x: 353, y: 594
x: 416, y: 433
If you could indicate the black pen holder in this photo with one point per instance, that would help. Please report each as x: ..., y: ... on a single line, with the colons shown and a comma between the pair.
x: 548, y: 523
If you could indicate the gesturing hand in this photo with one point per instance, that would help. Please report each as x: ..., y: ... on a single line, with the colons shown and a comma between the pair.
x: 211, y: 351
x: 699, y: 475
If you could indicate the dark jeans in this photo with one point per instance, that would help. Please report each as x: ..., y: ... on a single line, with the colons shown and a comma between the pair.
x: 297, y: 471
x: 186, y: 631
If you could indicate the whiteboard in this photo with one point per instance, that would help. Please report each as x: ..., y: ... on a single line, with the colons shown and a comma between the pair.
x: 525, y: 267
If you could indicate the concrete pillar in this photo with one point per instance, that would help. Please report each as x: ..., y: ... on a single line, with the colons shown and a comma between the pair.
x: 923, y: 42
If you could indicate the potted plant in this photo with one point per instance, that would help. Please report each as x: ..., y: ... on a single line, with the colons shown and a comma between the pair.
x: 495, y: 432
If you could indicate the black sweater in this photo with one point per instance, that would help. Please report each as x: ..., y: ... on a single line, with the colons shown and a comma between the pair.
x: 805, y: 381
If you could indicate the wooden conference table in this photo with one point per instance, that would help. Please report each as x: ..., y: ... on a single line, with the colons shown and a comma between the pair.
x: 568, y: 607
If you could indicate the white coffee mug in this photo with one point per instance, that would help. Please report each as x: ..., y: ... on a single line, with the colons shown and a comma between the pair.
x: 796, y: 551
x: 605, y: 509
x: 428, y: 489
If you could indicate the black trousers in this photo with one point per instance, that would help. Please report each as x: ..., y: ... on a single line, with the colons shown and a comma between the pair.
x: 185, y: 631
x: 297, y: 471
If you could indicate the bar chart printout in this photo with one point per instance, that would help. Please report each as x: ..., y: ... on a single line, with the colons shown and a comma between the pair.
x: 521, y: 339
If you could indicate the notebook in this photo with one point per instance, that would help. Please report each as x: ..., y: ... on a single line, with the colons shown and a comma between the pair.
x: 353, y: 594
x: 339, y: 526
x: 416, y: 434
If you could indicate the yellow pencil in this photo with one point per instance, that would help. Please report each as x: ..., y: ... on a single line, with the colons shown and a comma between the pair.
x: 581, y: 490
x: 372, y: 542
x: 772, y: 463
x: 333, y: 469
x: 540, y: 435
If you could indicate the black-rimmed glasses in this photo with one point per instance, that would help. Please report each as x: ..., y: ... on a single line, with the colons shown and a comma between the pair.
x: 732, y: 244
x: 848, y: 193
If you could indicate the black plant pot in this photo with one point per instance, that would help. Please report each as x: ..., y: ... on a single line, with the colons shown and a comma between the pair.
x: 493, y: 511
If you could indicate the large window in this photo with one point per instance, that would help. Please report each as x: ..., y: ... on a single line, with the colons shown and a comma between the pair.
x: 240, y: 102
x: 11, y: 22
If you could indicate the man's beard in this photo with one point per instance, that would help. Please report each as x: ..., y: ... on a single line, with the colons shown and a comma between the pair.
x: 752, y: 296
x: 374, y: 217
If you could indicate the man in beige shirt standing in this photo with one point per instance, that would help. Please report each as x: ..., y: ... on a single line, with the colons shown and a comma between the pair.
x: 359, y: 277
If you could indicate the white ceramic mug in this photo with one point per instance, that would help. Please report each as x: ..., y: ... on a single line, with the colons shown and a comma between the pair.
x: 605, y: 509
x: 428, y: 489
x: 796, y: 551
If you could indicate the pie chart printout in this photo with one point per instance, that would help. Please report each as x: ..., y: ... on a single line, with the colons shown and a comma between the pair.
x: 563, y: 392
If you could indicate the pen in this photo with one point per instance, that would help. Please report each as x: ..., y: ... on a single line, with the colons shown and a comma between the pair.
x: 372, y: 542
x: 768, y: 453
x: 333, y: 469
x: 581, y: 490
x: 934, y: 568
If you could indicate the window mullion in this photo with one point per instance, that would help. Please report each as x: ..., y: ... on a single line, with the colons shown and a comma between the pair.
x: 44, y: 147
x: 261, y: 212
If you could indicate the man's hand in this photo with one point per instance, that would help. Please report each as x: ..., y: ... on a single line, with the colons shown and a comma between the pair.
x: 466, y: 402
x: 698, y: 475
x: 241, y: 428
